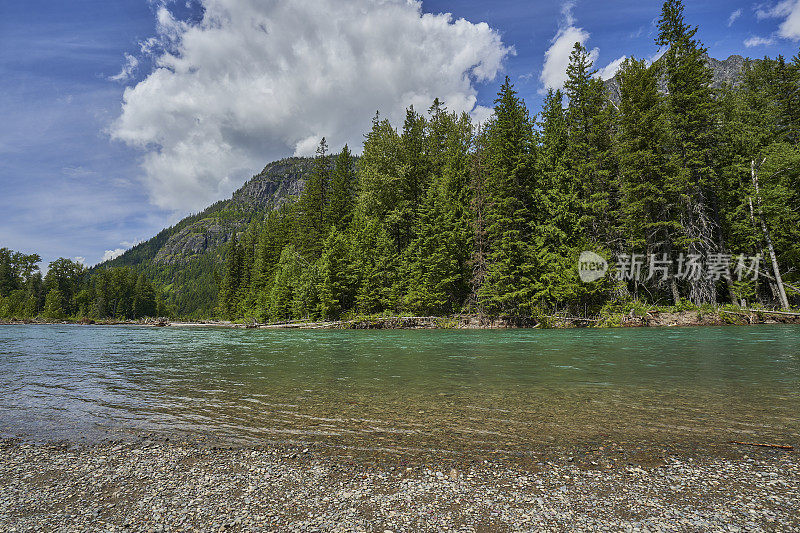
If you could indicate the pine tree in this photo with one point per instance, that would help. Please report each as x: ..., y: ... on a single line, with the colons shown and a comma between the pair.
x: 343, y: 190
x: 231, y: 280
x: 649, y: 197
x: 313, y: 206
x: 508, y: 284
x: 692, y: 114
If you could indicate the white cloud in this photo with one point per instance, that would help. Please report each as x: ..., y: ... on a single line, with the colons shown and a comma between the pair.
x: 656, y: 56
x: 81, y: 260
x: 789, y: 11
x: 758, y: 41
x: 610, y: 70
x: 734, y: 17
x: 556, y: 58
x: 255, y: 80
x: 112, y: 254
x: 77, y: 172
x: 128, y: 69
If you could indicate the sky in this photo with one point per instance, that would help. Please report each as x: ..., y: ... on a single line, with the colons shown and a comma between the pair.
x: 119, y: 117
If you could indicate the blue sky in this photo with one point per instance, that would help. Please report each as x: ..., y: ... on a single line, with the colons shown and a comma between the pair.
x: 86, y: 171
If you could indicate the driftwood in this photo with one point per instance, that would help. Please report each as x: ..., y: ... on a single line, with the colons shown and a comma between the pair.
x: 573, y: 319
x: 764, y: 311
x: 778, y: 446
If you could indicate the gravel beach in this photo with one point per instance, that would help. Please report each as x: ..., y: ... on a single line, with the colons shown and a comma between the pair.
x: 153, y: 485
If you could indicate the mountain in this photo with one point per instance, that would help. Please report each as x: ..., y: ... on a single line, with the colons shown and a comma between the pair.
x: 184, y: 258
x: 728, y: 71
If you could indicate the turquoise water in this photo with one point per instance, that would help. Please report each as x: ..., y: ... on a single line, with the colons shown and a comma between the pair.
x: 403, y: 389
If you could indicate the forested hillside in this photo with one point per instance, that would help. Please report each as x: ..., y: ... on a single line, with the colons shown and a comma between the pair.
x: 184, y: 259
x: 445, y: 216
x: 684, y: 158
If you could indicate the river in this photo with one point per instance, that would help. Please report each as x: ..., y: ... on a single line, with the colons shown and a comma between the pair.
x: 403, y: 390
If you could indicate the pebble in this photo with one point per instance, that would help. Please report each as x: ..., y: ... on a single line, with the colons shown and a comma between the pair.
x: 174, y: 486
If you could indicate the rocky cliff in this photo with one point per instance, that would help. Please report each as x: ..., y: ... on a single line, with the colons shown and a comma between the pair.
x: 204, y: 233
x: 728, y: 71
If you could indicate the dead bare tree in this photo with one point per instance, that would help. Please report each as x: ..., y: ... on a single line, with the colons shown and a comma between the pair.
x: 784, y: 301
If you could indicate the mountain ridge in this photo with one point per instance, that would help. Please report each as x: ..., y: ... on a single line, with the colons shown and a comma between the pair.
x: 723, y: 71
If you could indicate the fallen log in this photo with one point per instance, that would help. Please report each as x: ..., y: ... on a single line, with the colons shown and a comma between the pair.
x: 764, y: 311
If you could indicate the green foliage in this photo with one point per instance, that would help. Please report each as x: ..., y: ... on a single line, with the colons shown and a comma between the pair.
x: 509, y: 282
x: 439, y: 217
x: 69, y: 291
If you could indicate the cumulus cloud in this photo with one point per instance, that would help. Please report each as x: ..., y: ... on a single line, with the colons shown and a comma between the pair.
x: 610, y: 70
x: 112, y: 254
x: 556, y: 58
x: 758, y: 41
x: 253, y: 81
x: 789, y: 11
x: 734, y: 17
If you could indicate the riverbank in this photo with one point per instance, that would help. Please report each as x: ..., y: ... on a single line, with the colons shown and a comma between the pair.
x: 150, y: 485
x: 645, y: 318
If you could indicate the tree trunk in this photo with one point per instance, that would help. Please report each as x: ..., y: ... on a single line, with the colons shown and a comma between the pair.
x: 699, y: 229
x: 673, y: 285
x: 773, y: 258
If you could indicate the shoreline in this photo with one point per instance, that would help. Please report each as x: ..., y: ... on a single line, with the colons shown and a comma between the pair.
x: 693, y: 318
x: 153, y: 484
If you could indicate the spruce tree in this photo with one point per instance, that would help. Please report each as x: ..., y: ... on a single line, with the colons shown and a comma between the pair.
x: 313, y: 206
x: 590, y: 165
x: 343, y: 190
x: 508, y: 285
x: 649, y: 197
x: 337, y: 277
x: 231, y: 280
x: 692, y: 120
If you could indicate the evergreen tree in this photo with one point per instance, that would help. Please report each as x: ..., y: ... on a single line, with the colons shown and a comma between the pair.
x: 343, y: 190
x: 691, y: 113
x: 313, y: 205
x: 649, y: 197
x: 590, y: 165
x: 377, y: 265
x: 282, y: 293
x: 508, y: 284
x: 378, y: 171
x: 556, y: 224
x: 337, y: 276
x: 231, y: 280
